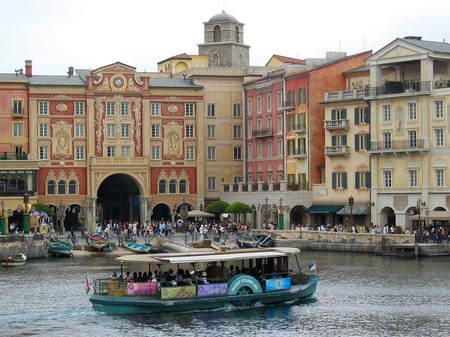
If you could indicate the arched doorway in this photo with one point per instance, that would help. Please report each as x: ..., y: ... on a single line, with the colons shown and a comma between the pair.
x: 161, y: 212
x: 298, y: 216
x: 118, y: 199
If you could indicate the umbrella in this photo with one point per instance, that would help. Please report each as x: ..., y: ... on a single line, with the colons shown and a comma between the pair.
x: 197, y: 212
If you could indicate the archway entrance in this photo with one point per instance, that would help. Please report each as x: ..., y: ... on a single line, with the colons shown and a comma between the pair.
x: 118, y: 199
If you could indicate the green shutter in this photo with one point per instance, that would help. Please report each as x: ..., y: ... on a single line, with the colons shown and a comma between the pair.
x: 367, y: 138
x: 367, y: 115
x: 357, y: 143
x: 333, y: 180
x: 368, y: 179
x: 357, y: 180
x: 356, y: 116
x: 344, y: 180
x: 333, y: 115
x: 344, y: 140
x: 333, y: 140
x: 344, y: 113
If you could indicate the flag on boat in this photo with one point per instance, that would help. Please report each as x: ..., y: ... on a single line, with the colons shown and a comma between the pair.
x: 312, y: 266
x: 88, y: 284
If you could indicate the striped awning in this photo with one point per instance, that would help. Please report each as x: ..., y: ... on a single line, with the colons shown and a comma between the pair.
x: 323, y: 209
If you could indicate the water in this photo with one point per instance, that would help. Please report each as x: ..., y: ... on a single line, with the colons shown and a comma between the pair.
x: 358, y: 295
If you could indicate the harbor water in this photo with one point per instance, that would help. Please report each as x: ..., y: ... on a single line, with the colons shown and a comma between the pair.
x: 358, y: 295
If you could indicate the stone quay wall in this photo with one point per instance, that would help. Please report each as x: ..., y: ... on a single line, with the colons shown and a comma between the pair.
x: 32, y: 247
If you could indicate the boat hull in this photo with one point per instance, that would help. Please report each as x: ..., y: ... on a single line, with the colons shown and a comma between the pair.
x: 144, y: 304
x: 137, y: 248
x: 60, y: 248
x: 14, y: 261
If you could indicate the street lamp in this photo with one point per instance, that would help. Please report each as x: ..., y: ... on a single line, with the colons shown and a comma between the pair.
x: 82, y: 217
x: 351, y: 202
x: 2, y: 220
x: 420, y: 206
x: 281, y: 210
x: 369, y: 207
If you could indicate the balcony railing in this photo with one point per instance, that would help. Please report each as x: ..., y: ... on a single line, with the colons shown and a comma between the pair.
x: 339, y: 150
x: 289, y: 105
x: 343, y: 95
x: 299, y: 128
x: 395, y: 146
x: 336, y: 124
x: 261, y: 133
x: 395, y: 88
x: 299, y: 153
x: 13, y: 156
x: 119, y: 161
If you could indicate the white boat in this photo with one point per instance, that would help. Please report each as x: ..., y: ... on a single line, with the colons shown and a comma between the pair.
x: 14, y: 260
x: 274, y: 282
x: 97, y: 241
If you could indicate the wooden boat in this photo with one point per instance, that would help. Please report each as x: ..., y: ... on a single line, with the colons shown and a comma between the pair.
x: 173, y: 247
x: 136, y: 247
x: 247, y: 240
x: 265, y: 240
x: 59, y: 248
x: 242, y: 290
x: 97, y: 241
x: 14, y: 260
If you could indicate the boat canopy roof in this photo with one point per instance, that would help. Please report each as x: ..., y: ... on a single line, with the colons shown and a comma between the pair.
x: 210, y: 256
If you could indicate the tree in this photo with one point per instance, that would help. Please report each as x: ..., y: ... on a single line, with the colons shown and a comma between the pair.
x: 239, y: 208
x: 44, y: 208
x: 217, y: 207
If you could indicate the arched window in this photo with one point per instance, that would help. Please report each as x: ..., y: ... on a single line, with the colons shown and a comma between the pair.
x: 217, y: 34
x: 162, y: 187
x: 72, y: 187
x: 236, y: 36
x: 61, y: 187
x: 173, y: 186
x: 183, y: 186
x: 51, y: 187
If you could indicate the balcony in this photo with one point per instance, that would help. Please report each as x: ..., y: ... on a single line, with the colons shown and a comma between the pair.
x: 398, y: 146
x: 399, y: 88
x: 299, y: 153
x: 344, y: 95
x: 13, y: 156
x: 336, y: 124
x: 339, y: 150
x: 299, y: 128
x: 289, y: 105
x: 261, y: 133
x: 119, y: 161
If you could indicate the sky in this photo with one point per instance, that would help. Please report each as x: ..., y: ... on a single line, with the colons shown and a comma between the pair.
x: 88, y: 34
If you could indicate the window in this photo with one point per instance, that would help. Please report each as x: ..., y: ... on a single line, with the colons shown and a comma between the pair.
x: 280, y: 147
x: 211, y: 131
x: 79, y: 130
x: 43, y: 107
x: 258, y: 104
x: 210, y: 110
x: 17, y: 129
x: 156, y: 153
x: 51, y: 187
x: 156, y: 131
x: 111, y: 151
x: 438, y: 109
x: 250, y: 151
x: 189, y: 110
x: 79, y: 108
x: 362, y: 116
x: 249, y: 129
x: 183, y: 186
x: 125, y: 109
x: 125, y: 130
x: 43, y: 130
x: 237, y: 131
x: 362, y: 142
x: 301, y: 95
x: 362, y: 180
x: 269, y: 102
x: 387, y: 179
x: 386, y: 113
x: 43, y: 152
x: 439, y: 177
x: 189, y: 131
x: 339, y: 180
x: 279, y: 99
x: 72, y: 187
x: 211, y: 153
x: 249, y: 106
x: 413, y: 178
x: 237, y: 153
x: 17, y: 107
x: 269, y: 148
x: 155, y: 109
x: 412, y: 138
x: 211, y: 183
x: 439, y: 137
x: 280, y: 124
x: 172, y: 186
x: 110, y: 108
x: 162, y: 187
x: 237, y: 110
x: 412, y: 111
x: 79, y: 153
x: 217, y: 34
x: 387, y: 140
x: 190, y: 153
x: 339, y: 114
x: 61, y: 187
x: 126, y: 151
x: 110, y: 130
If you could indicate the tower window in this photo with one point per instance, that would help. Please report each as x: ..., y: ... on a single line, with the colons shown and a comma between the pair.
x: 217, y: 34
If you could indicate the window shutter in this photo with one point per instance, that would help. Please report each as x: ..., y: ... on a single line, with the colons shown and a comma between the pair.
x: 333, y: 180
x: 367, y: 115
x: 333, y: 140
x: 344, y: 113
x: 368, y: 179
x: 344, y: 140
x: 367, y: 138
x: 357, y: 143
x: 344, y: 180
x: 333, y: 115
x: 356, y: 116
x: 357, y: 180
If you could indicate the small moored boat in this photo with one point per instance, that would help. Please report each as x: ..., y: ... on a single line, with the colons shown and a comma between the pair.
x: 97, y: 241
x: 264, y: 277
x: 14, y: 260
x: 136, y: 247
x: 59, y: 248
x: 247, y: 240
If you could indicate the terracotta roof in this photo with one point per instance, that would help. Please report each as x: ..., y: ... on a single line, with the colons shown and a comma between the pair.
x: 289, y: 60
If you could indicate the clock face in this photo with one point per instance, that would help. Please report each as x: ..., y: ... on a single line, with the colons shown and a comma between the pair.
x: 118, y: 82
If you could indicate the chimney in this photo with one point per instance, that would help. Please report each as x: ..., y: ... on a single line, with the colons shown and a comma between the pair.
x: 28, y: 68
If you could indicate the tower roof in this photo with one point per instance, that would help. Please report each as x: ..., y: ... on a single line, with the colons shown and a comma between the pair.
x: 221, y: 17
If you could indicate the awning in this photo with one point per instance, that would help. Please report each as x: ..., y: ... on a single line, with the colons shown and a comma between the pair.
x: 197, y: 212
x: 323, y: 209
x: 433, y: 215
x: 355, y: 210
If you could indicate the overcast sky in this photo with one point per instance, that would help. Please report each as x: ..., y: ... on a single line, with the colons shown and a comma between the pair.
x: 88, y: 34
